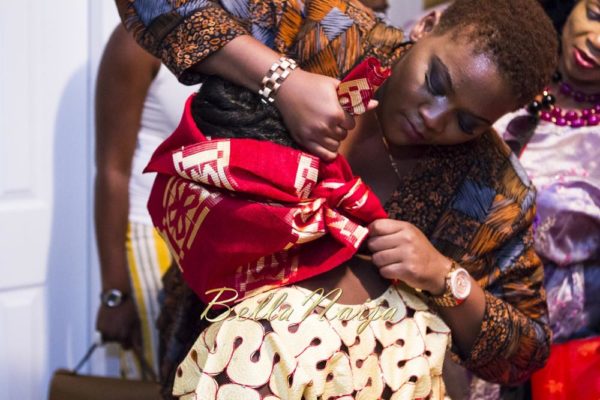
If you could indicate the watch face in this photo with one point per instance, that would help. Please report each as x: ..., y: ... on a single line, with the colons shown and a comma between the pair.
x: 460, y: 283
x: 112, y: 298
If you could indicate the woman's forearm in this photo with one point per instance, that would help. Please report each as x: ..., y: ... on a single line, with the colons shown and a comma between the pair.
x: 513, y: 337
x: 111, y: 218
x: 244, y: 61
x: 465, y: 319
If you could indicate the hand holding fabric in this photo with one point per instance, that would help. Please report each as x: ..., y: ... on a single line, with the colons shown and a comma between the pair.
x: 401, y: 251
x: 319, y: 110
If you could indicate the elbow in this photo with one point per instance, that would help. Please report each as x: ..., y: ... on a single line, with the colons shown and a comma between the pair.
x: 517, y: 366
x: 531, y: 356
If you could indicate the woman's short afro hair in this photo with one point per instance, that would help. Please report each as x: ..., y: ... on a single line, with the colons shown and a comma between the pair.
x: 517, y: 35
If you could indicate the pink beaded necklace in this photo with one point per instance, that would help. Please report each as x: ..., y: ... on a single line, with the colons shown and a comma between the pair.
x: 544, y: 107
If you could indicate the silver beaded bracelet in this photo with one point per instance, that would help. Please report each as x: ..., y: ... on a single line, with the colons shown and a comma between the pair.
x: 272, y: 81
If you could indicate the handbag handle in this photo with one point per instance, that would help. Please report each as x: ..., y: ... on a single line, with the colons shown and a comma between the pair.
x: 85, y: 358
x: 147, y: 371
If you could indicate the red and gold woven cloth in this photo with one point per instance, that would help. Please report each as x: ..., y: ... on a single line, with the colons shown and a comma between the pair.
x: 359, y: 86
x: 253, y: 215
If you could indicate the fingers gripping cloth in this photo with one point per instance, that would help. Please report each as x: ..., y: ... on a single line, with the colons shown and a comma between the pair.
x: 359, y: 86
x: 252, y: 215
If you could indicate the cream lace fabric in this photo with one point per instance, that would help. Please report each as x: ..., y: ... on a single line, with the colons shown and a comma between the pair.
x: 332, y: 351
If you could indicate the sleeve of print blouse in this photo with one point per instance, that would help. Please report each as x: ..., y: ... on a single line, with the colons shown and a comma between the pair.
x: 515, y: 337
x: 182, y: 33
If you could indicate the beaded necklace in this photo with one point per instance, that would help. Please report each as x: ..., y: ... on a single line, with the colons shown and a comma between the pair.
x: 544, y: 107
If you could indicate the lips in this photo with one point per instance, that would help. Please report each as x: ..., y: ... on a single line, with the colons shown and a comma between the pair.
x: 412, y: 132
x: 583, y: 60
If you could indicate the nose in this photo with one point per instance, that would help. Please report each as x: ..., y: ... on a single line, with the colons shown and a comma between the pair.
x: 593, y: 39
x: 435, y: 114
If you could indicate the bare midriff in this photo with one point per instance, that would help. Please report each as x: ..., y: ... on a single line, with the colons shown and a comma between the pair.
x: 358, y: 279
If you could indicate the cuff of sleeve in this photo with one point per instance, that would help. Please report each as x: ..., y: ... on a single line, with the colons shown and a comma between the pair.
x: 493, y: 335
x: 201, y: 34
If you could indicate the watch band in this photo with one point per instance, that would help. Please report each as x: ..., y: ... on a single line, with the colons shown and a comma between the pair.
x: 272, y: 81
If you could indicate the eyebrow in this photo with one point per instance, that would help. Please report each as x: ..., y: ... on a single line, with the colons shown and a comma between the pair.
x: 438, y: 65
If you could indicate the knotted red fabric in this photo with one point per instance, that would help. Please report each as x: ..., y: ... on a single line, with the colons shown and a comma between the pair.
x: 251, y: 215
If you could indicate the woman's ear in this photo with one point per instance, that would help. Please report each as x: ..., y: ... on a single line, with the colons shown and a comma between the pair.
x: 425, y: 25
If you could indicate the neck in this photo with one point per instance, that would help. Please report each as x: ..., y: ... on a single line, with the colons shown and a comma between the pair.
x: 581, y: 86
x: 407, y: 152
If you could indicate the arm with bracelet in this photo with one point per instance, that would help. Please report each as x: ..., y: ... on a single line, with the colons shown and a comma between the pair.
x: 307, y: 101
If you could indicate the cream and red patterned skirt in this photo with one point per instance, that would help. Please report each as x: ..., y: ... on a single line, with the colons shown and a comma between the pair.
x: 291, y: 343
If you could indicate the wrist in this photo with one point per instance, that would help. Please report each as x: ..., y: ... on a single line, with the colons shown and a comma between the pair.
x: 115, y: 275
x: 438, y: 287
x: 457, y: 287
x: 113, y: 298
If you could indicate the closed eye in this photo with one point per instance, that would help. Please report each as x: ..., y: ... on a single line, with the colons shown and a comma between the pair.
x: 433, y: 86
x: 438, y: 80
x: 469, y: 123
x: 593, y: 13
x: 465, y: 126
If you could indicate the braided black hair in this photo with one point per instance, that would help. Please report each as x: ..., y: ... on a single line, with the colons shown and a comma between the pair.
x: 222, y: 109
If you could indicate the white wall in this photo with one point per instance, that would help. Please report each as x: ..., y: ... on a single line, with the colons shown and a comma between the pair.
x: 401, y: 11
x: 49, y: 55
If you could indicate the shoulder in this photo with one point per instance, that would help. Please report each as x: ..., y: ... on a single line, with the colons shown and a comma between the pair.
x: 499, y: 168
x: 124, y: 54
x: 492, y: 205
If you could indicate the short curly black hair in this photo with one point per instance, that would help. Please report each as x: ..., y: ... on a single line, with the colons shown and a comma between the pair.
x: 516, y: 34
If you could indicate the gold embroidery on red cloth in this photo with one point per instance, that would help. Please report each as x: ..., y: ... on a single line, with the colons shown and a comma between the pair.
x: 350, y: 94
x: 306, y: 176
x: 186, y: 206
x: 206, y: 164
x: 279, y: 267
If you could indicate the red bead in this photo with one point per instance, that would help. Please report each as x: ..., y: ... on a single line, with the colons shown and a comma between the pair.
x: 561, y: 121
x: 585, y: 112
x: 546, y: 116
x: 572, y: 115
x: 597, y: 107
x: 556, y: 112
x: 593, y: 120
x: 577, y: 123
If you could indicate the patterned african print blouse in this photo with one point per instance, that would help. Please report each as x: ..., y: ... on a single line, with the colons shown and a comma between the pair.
x: 473, y: 201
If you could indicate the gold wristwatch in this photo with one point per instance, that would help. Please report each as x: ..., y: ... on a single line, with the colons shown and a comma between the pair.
x: 458, y: 288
